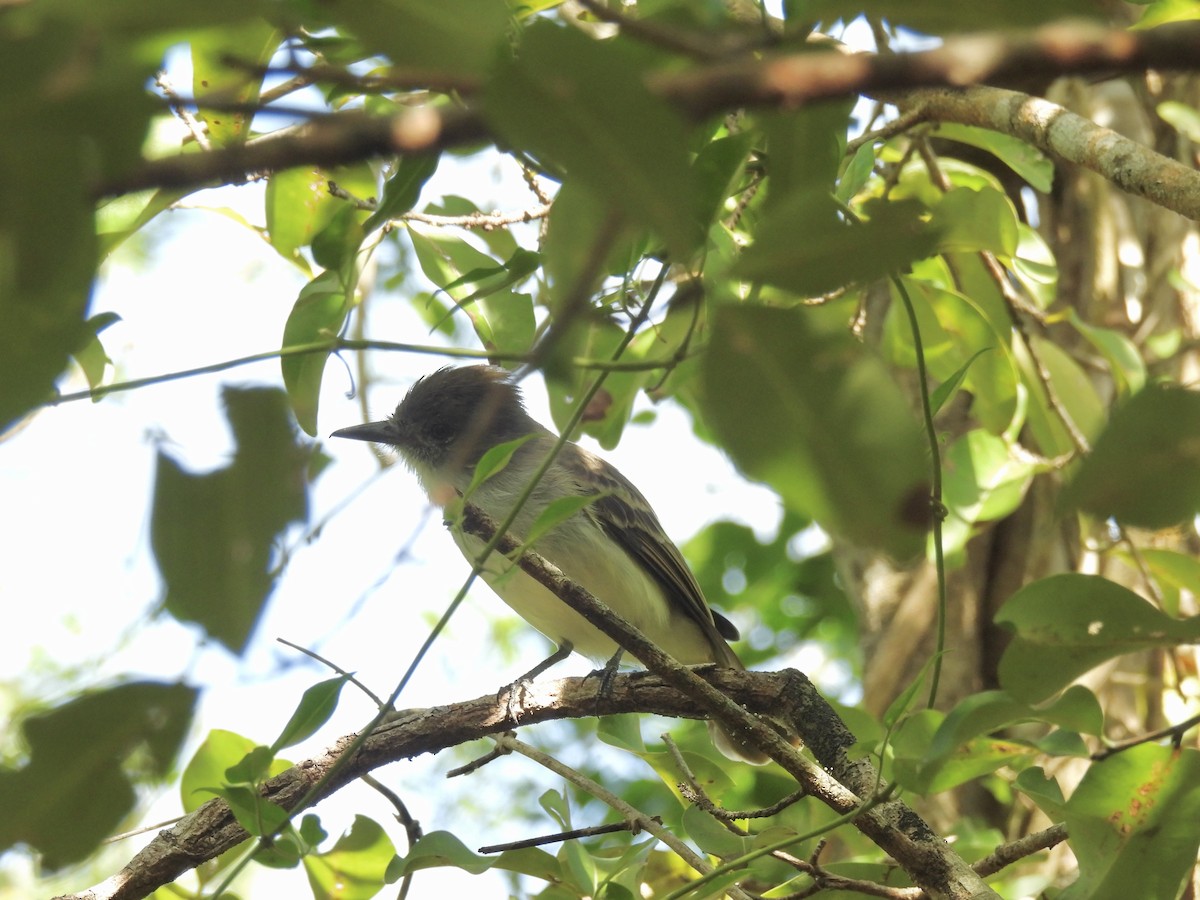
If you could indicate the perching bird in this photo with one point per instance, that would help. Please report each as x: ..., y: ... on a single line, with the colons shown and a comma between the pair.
x: 614, y: 547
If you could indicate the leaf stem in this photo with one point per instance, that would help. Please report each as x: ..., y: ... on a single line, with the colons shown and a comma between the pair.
x: 935, y: 491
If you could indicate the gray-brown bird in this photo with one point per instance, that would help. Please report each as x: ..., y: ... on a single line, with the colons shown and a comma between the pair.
x: 614, y: 547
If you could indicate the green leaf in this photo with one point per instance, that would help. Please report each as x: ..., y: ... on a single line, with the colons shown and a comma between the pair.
x: 1175, y: 572
x: 1035, y: 267
x: 1067, y: 624
x: 461, y: 36
x: 956, y: 752
x: 402, y: 189
x: 858, y: 171
x: 441, y: 848
x: 950, y: 386
x: 900, y: 707
x: 1183, y: 118
x: 298, y: 206
x: 1128, y: 369
x: 583, y: 104
x: 717, y: 168
x: 557, y: 805
x: 579, y: 224
x: 805, y: 246
x: 252, y: 768
x: 1024, y: 159
x: 216, y: 77
x: 1132, y: 822
x: 91, y: 356
x: 820, y: 420
x: 969, y: 220
x: 1145, y: 467
x: 313, y: 711
x: 213, y: 535
x: 317, y: 315
x: 1074, y: 390
x: 954, y: 329
x: 493, y: 461
x: 555, y: 513
x: 254, y: 812
x: 711, y: 836
x: 356, y: 867
x: 74, y: 790
x: 622, y: 731
x: 209, y: 765
x: 506, y: 322
x: 983, y: 480
x: 805, y: 149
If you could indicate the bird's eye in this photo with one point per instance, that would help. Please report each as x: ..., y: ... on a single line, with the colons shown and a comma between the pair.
x: 442, y: 432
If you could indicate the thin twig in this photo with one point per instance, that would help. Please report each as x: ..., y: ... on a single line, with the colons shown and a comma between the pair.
x: 1175, y: 732
x: 692, y: 791
x: 335, y: 667
x: 412, y: 828
x: 480, y: 761
x: 179, y: 107
x: 629, y: 812
x: 572, y: 835
x: 937, y: 508
x: 1007, y: 854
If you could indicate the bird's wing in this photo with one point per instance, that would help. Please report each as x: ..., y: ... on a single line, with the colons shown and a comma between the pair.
x: 628, y: 519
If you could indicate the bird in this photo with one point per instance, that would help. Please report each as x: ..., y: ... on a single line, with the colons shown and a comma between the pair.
x: 614, y: 546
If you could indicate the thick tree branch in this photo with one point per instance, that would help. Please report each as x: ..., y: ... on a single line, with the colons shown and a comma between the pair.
x: 789, y: 81
x: 892, y: 825
x: 211, y: 830
x: 735, y: 699
x: 1066, y: 136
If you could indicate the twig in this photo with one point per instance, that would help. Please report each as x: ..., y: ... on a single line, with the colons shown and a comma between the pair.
x: 335, y: 667
x: 937, y: 508
x: 179, y: 107
x: 1007, y: 854
x: 412, y: 828
x: 573, y: 835
x: 481, y: 220
x: 336, y: 344
x: 480, y: 761
x: 632, y: 815
x: 1175, y: 732
x: 692, y: 791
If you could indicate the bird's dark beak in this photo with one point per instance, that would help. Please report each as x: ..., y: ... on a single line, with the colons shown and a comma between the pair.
x: 378, y: 432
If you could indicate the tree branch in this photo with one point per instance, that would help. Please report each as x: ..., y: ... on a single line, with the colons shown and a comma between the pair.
x: 788, y: 81
x: 1067, y: 137
x: 211, y: 830
x: 839, y: 782
x: 733, y: 698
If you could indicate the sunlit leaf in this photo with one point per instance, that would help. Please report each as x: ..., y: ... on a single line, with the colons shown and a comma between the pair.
x: 313, y: 711
x: 1132, y: 823
x: 1024, y: 159
x: 983, y: 479
x: 356, y: 866
x: 1067, y: 624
